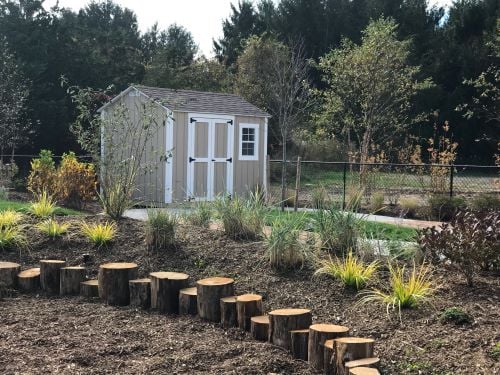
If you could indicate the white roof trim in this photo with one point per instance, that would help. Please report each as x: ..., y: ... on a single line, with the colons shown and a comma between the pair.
x: 126, y: 91
x: 220, y: 114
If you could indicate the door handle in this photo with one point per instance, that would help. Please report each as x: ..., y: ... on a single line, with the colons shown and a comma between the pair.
x: 213, y: 159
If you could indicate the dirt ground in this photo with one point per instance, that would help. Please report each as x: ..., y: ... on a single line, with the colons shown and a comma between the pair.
x: 40, y: 334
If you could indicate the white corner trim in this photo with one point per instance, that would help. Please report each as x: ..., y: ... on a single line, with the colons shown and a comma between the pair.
x: 169, y: 165
x: 265, y: 156
x: 255, y: 156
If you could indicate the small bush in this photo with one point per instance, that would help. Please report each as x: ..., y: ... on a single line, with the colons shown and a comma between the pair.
x: 353, y: 272
x: 11, y: 237
x: 44, y: 206
x: 409, y: 207
x: 76, y: 181
x: 456, y: 315
x: 495, y: 351
x: 241, y: 219
x: 9, y: 218
x: 160, y: 229
x: 319, y: 197
x: 404, y: 291
x: 201, y: 215
x: 116, y: 199
x: 52, y: 228
x: 99, y: 234
x: 444, y: 208
x: 42, y: 177
x: 8, y: 171
x: 284, y: 247
x: 470, y: 242
x: 338, y: 230
x: 485, y: 202
x: 377, y: 202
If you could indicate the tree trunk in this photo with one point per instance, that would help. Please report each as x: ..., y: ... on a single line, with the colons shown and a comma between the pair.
x: 50, y: 275
x: 140, y: 293
x: 210, y: 291
x: 165, y: 289
x: 318, y: 334
x: 89, y: 288
x: 349, y: 349
x: 29, y: 280
x: 113, y: 282
x: 71, y: 277
x: 8, y: 274
x: 283, y: 173
x: 247, y: 306
x: 228, y: 312
x: 282, y: 321
x: 259, y: 327
x: 299, y: 342
x: 187, y: 301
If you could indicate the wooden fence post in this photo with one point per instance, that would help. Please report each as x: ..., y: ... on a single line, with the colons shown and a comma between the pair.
x: 297, y: 184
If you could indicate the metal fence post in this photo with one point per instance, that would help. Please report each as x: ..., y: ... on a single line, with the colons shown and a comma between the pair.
x: 451, y: 180
x: 343, y: 190
x: 297, y: 185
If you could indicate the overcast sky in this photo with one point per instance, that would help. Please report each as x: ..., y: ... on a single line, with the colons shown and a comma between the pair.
x: 203, y: 18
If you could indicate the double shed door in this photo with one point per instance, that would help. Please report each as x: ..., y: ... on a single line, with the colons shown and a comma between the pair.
x: 210, y: 157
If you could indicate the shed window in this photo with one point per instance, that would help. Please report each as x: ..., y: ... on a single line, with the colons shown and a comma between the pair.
x: 249, y: 145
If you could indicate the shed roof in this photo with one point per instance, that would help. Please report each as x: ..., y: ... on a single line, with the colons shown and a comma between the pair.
x: 202, y: 102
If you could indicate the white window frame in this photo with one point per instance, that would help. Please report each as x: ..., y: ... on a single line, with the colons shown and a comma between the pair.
x: 255, y: 155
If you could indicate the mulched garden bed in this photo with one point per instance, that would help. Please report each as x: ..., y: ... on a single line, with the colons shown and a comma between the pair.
x: 39, y: 334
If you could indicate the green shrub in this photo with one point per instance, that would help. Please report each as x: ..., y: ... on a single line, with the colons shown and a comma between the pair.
x: 76, y: 181
x: 319, y: 197
x: 241, y: 219
x: 42, y: 177
x: 52, y: 228
x: 456, y: 315
x: 409, y: 206
x: 160, y: 229
x: 99, y: 234
x: 200, y: 215
x: 377, y: 202
x: 338, y: 230
x: 353, y: 272
x: 43, y: 207
x: 284, y: 247
x: 485, y: 202
x: 444, y: 207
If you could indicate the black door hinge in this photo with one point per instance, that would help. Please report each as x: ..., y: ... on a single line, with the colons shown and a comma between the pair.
x: 230, y: 159
x: 192, y: 119
x: 230, y: 122
x: 191, y: 159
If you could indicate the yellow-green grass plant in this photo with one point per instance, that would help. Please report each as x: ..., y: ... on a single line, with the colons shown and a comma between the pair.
x: 44, y: 206
x: 406, y: 289
x: 100, y: 234
x: 350, y: 270
x: 11, y: 237
x: 52, y: 228
x: 9, y: 218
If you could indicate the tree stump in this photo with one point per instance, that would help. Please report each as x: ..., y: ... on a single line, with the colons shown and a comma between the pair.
x: 328, y: 358
x: 50, y: 275
x: 247, y: 306
x: 140, y: 293
x: 228, y: 312
x: 187, y: 301
x: 364, y: 371
x: 365, y: 362
x: 113, y: 281
x: 165, y: 288
x: 210, y: 291
x: 349, y: 349
x: 71, y: 277
x: 8, y: 274
x: 259, y: 327
x: 89, y: 288
x: 29, y: 280
x: 282, y: 321
x: 318, y: 334
x: 299, y: 341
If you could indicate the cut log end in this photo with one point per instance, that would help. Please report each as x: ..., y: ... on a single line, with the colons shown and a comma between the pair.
x: 215, y: 281
x: 89, y: 289
x: 29, y: 280
x: 247, y: 306
x: 8, y: 274
x: 70, y: 280
x: 363, y: 371
x: 113, y: 282
x: 259, y: 327
x: 165, y: 290
x: 318, y: 334
x: 187, y: 301
x: 140, y: 293
x: 349, y: 349
x: 282, y: 321
x: 228, y: 312
x: 365, y: 362
x: 50, y: 275
x: 210, y: 291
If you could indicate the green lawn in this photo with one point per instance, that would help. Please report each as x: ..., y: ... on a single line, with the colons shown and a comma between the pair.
x: 23, y: 207
x: 370, y: 229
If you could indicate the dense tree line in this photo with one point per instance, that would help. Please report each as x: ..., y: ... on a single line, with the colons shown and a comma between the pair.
x: 101, y: 46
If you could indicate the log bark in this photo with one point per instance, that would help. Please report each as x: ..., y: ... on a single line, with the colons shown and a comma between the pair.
x: 259, y: 327
x: 50, y: 275
x: 29, y: 280
x: 328, y: 358
x: 318, y: 334
x: 364, y: 371
x: 89, y: 289
x: 8, y: 274
x: 247, y: 306
x: 349, y: 349
x: 228, y: 312
x: 299, y: 341
x: 187, y: 301
x: 113, y: 281
x: 140, y: 293
x: 365, y: 362
x: 165, y: 288
x: 210, y: 291
x: 282, y: 321
x: 71, y: 277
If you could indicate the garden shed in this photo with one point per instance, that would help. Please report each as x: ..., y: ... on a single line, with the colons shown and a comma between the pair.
x: 216, y: 144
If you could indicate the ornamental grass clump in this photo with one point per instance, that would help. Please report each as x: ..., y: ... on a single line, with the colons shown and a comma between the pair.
x: 241, y: 219
x: 100, y: 234
x: 338, y: 230
x: 201, y: 214
x: 351, y: 271
x: 11, y: 237
x: 405, y: 290
x: 160, y: 229
x: 9, y: 218
x: 44, y: 206
x: 52, y: 228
